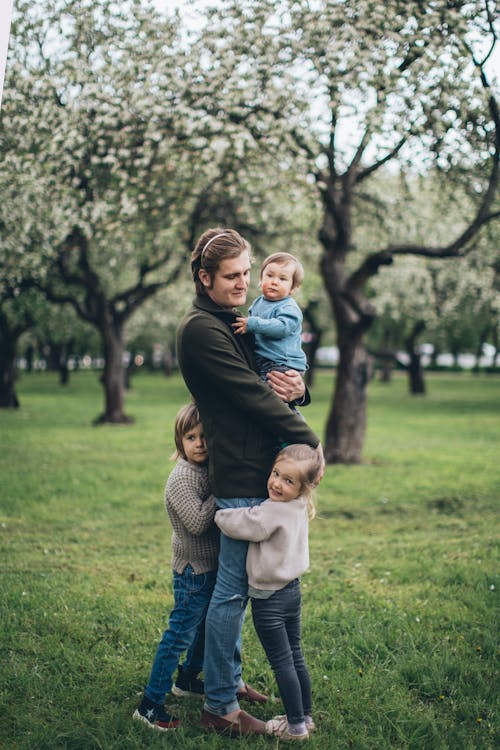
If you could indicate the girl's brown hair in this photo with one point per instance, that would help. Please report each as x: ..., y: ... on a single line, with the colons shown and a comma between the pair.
x: 187, y: 418
x: 214, y: 246
x: 309, y: 466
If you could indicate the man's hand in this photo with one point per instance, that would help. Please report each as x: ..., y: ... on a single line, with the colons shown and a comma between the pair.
x: 288, y: 385
x: 240, y: 326
x: 319, y: 477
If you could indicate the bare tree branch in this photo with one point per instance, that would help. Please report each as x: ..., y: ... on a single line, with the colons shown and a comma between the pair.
x: 364, y: 173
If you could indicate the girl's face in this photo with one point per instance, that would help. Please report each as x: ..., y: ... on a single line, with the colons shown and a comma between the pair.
x: 277, y: 280
x: 194, y: 445
x: 284, y: 482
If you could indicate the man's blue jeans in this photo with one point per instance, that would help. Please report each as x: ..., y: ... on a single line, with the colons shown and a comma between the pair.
x: 222, y: 666
x: 192, y: 594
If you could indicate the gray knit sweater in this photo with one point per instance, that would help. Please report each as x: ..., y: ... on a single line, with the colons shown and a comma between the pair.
x: 191, y: 509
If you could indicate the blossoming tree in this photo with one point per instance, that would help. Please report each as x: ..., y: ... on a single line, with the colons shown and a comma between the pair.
x: 112, y: 167
x: 116, y: 161
x: 348, y: 88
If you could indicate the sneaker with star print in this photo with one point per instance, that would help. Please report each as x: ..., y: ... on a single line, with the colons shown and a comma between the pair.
x: 155, y: 716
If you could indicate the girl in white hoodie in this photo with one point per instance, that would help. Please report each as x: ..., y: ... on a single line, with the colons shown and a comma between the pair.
x: 278, y: 554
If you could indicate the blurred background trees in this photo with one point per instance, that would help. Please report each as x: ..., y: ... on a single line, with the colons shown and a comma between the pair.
x: 364, y: 137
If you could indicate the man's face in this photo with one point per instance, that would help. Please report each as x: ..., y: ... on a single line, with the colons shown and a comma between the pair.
x: 230, y: 283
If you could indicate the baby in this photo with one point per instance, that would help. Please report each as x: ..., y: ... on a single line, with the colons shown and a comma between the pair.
x: 275, y: 318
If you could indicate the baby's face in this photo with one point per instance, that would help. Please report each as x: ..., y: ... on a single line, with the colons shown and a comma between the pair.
x: 277, y: 280
x: 284, y: 482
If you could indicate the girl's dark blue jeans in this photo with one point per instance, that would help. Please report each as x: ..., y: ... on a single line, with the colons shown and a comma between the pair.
x: 277, y: 622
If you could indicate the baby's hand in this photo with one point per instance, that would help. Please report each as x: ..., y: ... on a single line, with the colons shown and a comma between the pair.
x: 240, y: 326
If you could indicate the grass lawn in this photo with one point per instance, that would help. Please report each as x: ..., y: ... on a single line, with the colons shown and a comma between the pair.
x: 400, y: 604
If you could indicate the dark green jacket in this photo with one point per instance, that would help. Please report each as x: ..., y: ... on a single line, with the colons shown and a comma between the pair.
x: 242, y: 417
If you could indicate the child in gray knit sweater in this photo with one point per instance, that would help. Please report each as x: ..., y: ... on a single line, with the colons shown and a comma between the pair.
x: 195, y: 548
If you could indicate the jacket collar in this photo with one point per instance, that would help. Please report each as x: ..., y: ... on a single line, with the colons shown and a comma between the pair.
x: 245, y: 343
x: 206, y: 303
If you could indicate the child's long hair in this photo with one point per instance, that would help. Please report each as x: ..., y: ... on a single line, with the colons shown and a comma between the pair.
x: 309, y: 465
x: 186, y: 419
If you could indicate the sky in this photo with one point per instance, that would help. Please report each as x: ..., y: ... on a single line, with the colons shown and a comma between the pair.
x: 5, y: 16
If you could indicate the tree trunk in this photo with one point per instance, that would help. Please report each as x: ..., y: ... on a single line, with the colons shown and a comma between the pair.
x: 8, y: 346
x: 113, y: 380
x: 483, y: 336
x: 310, y: 349
x: 58, y: 359
x: 30, y: 356
x: 416, y: 375
x: 415, y: 369
x: 385, y: 370
x: 386, y: 357
x: 169, y: 360
x: 346, y: 425
x: 67, y: 347
x: 64, y: 373
x: 8, y: 396
x: 312, y: 345
x: 494, y: 337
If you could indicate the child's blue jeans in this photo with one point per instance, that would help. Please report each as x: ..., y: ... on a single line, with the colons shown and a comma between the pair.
x: 185, y: 631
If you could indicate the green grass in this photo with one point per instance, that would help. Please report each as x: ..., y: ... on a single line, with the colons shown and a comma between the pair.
x: 400, y: 615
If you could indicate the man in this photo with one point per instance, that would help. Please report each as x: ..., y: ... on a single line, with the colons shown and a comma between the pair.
x: 244, y: 421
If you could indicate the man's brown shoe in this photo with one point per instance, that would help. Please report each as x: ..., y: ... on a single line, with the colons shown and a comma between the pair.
x: 242, y: 725
x: 248, y: 693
